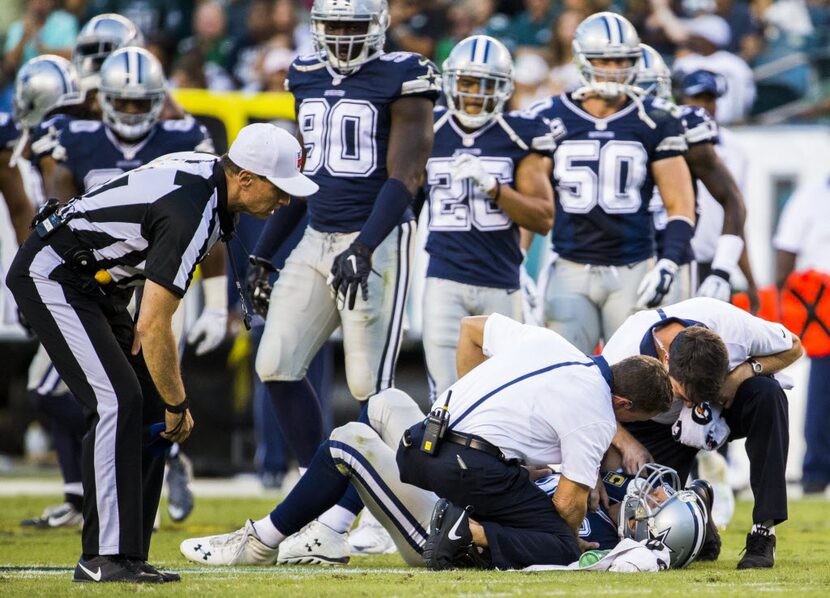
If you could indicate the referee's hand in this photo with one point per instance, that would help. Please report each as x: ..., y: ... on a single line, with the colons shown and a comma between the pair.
x: 177, y: 426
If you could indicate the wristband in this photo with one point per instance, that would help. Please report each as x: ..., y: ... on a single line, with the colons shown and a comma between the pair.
x: 215, y: 291
x: 677, y: 240
x: 178, y: 409
x: 728, y: 252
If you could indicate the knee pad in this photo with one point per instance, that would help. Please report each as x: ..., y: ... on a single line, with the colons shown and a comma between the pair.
x: 352, y: 433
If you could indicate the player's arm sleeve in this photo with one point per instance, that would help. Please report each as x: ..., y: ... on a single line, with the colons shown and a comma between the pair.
x: 500, y: 334
x: 420, y: 78
x: 583, y: 449
x: 700, y: 127
x: 177, y: 229
x: 670, y: 138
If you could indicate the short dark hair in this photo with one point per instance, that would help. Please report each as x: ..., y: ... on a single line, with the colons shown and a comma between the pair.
x: 644, y: 381
x: 699, y: 361
x: 229, y: 165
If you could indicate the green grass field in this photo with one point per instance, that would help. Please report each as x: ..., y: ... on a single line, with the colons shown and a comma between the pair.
x: 39, y: 563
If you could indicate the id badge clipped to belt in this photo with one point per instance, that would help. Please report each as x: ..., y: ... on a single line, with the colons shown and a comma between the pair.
x: 435, y: 427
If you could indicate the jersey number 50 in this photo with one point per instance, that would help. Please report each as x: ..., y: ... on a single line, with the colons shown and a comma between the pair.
x: 341, y: 137
x: 610, y: 175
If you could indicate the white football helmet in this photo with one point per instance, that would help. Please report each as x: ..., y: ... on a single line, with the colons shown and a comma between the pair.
x: 43, y: 84
x: 606, y: 35
x: 655, y: 507
x: 489, y: 61
x: 131, y: 74
x: 100, y: 37
x: 347, y: 52
x: 653, y: 76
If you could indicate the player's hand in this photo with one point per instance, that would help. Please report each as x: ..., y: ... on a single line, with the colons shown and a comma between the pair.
x: 598, y: 496
x: 177, y: 426
x: 656, y: 283
x: 350, y: 273
x: 258, y: 283
x: 634, y: 456
x: 586, y: 546
x: 211, y: 328
x: 716, y: 286
x: 537, y: 472
x: 467, y: 166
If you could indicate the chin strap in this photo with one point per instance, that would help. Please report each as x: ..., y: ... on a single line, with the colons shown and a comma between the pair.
x: 632, y: 93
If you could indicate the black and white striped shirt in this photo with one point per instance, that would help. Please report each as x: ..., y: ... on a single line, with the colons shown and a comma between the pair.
x: 156, y: 222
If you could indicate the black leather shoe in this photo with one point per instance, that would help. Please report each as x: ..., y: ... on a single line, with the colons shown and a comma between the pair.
x: 102, y: 569
x: 166, y: 575
x: 710, y: 551
x: 759, y: 552
x: 449, y: 536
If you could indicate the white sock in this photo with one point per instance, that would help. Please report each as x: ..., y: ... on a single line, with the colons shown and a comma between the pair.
x: 766, y: 527
x: 338, y: 518
x: 268, y: 533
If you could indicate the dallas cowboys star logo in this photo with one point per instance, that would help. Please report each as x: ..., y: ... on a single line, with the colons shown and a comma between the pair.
x: 661, y: 537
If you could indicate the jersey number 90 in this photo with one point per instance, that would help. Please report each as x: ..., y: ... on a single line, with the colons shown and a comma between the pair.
x: 589, y: 174
x: 341, y: 137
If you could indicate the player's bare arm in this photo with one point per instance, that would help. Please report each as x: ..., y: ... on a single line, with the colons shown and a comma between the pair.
x: 60, y: 183
x: 154, y: 337
x: 530, y: 204
x: 20, y: 208
x: 705, y: 164
x: 410, y: 141
x: 675, y: 184
x: 469, y: 353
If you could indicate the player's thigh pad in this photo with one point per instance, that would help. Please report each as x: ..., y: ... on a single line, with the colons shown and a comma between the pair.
x: 392, y: 411
x: 621, y: 299
x: 301, y: 317
x: 404, y: 510
x: 569, y: 309
x: 372, y: 330
x: 499, y: 301
x: 445, y: 303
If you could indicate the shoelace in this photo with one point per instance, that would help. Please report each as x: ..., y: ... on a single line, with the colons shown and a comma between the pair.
x: 756, y: 542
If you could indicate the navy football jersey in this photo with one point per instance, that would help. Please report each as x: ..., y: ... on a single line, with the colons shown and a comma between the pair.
x: 46, y: 135
x: 9, y: 131
x: 471, y: 240
x: 345, y: 123
x: 95, y: 155
x: 602, y: 177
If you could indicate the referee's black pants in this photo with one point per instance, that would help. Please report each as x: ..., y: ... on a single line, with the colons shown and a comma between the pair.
x: 759, y: 414
x: 88, y: 336
x: 521, y: 524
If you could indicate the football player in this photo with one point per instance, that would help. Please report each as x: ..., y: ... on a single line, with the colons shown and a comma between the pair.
x: 365, y: 118
x: 720, y: 250
x: 488, y: 175
x: 612, y: 147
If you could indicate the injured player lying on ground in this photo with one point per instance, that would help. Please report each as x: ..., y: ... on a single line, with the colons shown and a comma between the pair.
x: 428, y: 531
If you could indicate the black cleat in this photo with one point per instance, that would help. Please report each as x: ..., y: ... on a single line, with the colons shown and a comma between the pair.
x: 759, y: 552
x: 710, y: 551
x: 102, y: 569
x: 167, y: 576
x: 449, y: 537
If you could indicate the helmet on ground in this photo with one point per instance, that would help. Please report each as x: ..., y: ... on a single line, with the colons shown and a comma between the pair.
x: 348, y: 51
x: 131, y: 76
x: 606, y: 36
x: 100, y: 37
x: 485, y: 60
x: 655, y: 507
x: 43, y: 84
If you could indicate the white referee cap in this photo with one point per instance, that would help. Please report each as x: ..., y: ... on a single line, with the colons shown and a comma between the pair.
x: 275, y: 154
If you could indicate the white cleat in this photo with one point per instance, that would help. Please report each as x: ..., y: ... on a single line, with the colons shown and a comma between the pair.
x: 370, y: 537
x: 242, y: 547
x: 315, y: 544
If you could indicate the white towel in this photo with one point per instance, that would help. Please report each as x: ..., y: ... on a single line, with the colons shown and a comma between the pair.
x: 629, y: 556
x: 701, y: 426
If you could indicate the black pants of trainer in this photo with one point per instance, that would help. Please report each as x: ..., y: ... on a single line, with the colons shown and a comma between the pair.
x: 521, y: 524
x: 759, y: 414
x: 88, y: 336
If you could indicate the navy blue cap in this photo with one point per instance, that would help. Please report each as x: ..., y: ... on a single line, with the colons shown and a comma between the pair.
x: 698, y: 82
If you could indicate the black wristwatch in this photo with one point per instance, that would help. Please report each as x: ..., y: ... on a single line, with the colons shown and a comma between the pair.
x: 757, y: 368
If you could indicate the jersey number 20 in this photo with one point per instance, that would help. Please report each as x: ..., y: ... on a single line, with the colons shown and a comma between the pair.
x: 341, y: 136
x: 611, y: 175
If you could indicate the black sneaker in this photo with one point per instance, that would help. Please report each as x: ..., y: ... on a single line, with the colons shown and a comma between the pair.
x: 449, y: 536
x: 168, y: 576
x: 112, y: 569
x: 760, y: 550
x: 710, y: 551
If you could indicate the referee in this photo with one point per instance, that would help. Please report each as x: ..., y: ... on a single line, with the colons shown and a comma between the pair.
x: 72, y: 280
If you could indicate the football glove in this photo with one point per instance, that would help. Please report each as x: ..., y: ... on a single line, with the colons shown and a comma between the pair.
x: 716, y: 286
x: 210, y: 328
x: 467, y: 166
x: 258, y: 283
x: 656, y: 283
x: 350, y: 273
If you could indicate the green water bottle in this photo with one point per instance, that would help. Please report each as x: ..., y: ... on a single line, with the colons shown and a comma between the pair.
x: 591, y: 557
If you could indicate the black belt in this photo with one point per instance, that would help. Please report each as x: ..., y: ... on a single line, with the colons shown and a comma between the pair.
x: 479, y: 444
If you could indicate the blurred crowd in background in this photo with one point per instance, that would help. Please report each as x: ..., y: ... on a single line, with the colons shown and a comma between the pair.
x: 775, y: 54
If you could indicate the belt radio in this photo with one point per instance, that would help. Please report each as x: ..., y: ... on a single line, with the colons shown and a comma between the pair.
x: 435, y: 427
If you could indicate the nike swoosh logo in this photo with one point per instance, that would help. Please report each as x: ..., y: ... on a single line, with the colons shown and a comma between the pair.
x: 95, y: 576
x: 353, y: 261
x: 453, y: 535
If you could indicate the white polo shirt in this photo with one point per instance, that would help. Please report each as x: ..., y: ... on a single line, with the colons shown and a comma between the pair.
x: 804, y: 228
x: 743, y: 334
x: 538, y: 398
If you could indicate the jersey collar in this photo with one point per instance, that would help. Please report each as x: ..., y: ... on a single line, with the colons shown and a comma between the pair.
x: 604, y: 369
x: 227, y: 221
x: 469, y: 139
x: 600, y: 123
x: 647, y: 344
